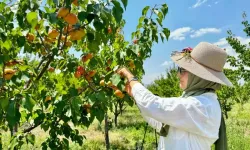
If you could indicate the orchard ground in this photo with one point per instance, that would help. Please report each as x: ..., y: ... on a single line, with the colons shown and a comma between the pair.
x: 130, y: 130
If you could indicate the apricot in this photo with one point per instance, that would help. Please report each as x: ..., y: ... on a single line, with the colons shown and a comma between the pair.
x: 62, y: 12
x: 119, y: 93
x: 71, y: 19
x: 53, y: 34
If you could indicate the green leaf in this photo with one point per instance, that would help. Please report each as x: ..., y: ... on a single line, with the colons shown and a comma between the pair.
x: 7, y: 44
x: 65, y: 143
x: 2, y: 18
x: 166, y: 32
x: 32, y: 18
x: 90, y: 36
x: 101, y: 96
x: 98, y: 113
x: 164, y: 9
x: 75, y: 108
x: 2, y: 5
x: 159, y: 14
x: 117, y: 14
x: 52, y: 18
x: 4, y: 102
x: 128, y: 100
x: 125, y: 3
x: 159, y: 21
x: 98, y: 25
x: 31, y: 138
x: 141, y: 19
x: 117, y: 11
x: 73, y: 92
x: 13, y: 114
x: 162, y: 35
x: 115, y: 79
x: 21, y: 41
x: 28, y: 102
x: 82, y: 15
x: 145, y: 10
x: 136, y: 49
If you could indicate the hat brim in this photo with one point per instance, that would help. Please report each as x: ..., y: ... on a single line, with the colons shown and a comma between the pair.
x: 201, y: 71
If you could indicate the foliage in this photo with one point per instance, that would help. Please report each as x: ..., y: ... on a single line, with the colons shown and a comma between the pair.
x: 241, y: 61
x: 239, y: 93
x: 167, y: 86
x: 57, y: 88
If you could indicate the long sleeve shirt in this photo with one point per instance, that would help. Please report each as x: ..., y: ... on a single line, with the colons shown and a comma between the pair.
x: 194, y: 121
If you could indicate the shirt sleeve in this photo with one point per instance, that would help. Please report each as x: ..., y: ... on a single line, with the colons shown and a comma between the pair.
x: 153, y: 123
x: 184, y: 113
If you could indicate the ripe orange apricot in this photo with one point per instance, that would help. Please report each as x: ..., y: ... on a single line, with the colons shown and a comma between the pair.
x: 8, y: 73
x: 109, y: 30
x: 62, y: 12
x: 30, y: 37
x: 68, y: 44
x: 53, y: 34
x: 86, y: 57
x: 77, y: 74
x: 135, y: 41
x: 51, y: 69
x: 109, y: 62
x: 71, y: 19
x: 119, y: 93
x: 75, y: 2
x: 48, y: 98
x: 92, y: 73
x: 77, y: 34
x: 131, y: 64
x: 81, y: 70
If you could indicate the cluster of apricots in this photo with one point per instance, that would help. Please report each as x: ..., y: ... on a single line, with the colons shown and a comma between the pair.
x: 80, y: 71
x: 73, y: 33
x: 9, y: 72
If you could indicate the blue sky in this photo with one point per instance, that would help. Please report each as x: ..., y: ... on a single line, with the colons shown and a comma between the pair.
x: 190, y: 22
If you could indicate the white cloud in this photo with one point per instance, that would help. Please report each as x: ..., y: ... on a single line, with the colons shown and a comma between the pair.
x: 230, y: 51
x: 221, y: 42
x: 167, y: 64
x: 180, y: 33
x: 203, y: 31
x: 216, y: 2
x: 199, y: 3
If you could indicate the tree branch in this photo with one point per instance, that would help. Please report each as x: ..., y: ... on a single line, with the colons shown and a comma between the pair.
x: 32, y: 127
x: 45, y: 67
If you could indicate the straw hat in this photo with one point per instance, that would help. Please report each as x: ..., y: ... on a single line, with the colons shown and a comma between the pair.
x: 205, y: 61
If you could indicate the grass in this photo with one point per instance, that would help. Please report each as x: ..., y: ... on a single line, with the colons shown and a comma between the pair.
x: 129, y: 133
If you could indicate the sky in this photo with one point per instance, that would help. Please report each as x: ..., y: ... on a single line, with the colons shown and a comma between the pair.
x: 190, y: 22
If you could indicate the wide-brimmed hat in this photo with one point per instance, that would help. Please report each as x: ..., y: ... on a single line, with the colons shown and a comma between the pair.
x: 205, y: 61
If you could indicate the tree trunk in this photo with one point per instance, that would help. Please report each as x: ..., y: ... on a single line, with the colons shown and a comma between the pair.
x: 116, y: 114
x: 1, y: 145
x: 107, y: 132
x: 14, y: 130
x: 116, y: 118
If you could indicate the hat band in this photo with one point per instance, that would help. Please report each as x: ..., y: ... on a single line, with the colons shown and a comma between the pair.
x: 205, y: 65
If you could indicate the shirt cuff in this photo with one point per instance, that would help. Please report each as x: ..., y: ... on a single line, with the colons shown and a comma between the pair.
x: 137, y: 91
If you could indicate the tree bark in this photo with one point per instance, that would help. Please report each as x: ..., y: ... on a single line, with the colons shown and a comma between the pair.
x: 107, y: 132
